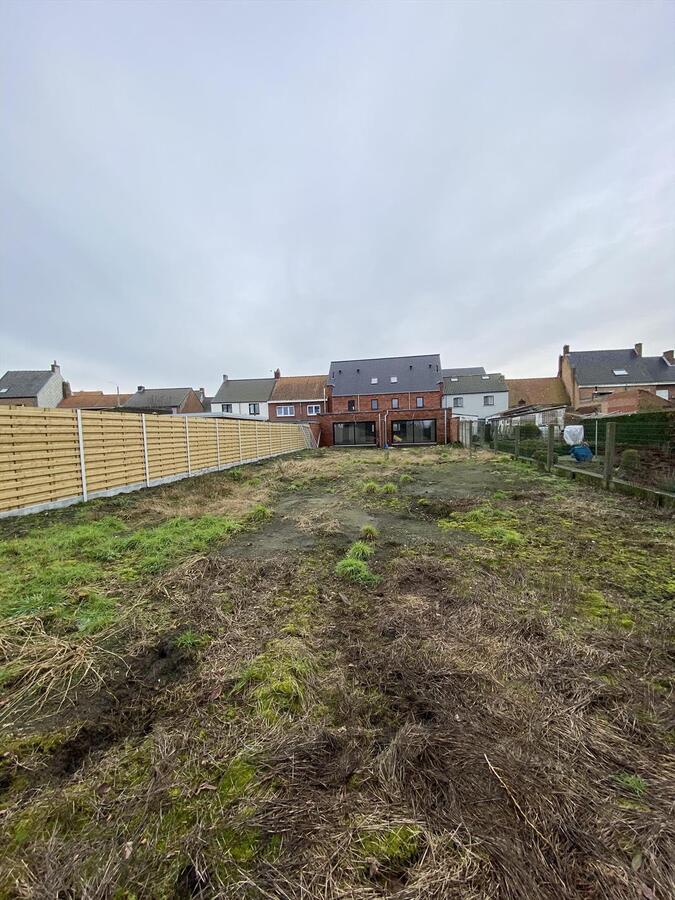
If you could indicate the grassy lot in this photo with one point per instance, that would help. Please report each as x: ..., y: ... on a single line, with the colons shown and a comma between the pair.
x: 342, y: 674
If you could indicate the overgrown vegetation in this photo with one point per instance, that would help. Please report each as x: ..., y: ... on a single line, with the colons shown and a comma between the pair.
x: 279, y: 681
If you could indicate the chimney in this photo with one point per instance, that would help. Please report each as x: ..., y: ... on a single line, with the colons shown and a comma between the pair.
x: 566, y: 349
x: 668, y: 356
x: 65, y: 387
x: 224, y: 377
x: 140, y: 388
x: 638, y: 349
x: 277, y: 373
x: 201, y: 393
x: 56, y: 368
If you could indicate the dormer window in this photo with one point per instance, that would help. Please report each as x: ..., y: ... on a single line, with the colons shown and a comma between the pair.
x: 373, y: 380
x: 454, y: 378
x: 393, y: 379
x: 485, y: 377
x: 620, y: 371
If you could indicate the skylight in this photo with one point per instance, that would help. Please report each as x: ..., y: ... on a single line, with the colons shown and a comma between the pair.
x: 485, y: 377
x: 373, y: 380
x: 3, y: 390
x: 620, y: 371
x: 454, y: 378
x: 393, y: 379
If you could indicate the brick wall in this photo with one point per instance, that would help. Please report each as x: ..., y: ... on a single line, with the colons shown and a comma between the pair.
x: 192, y: 404
x: 301, y: 414
x: 406, y: 400
x: 383, y: 423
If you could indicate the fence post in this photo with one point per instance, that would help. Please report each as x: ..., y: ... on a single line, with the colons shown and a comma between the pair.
x: 516, y: 441
x: 269, y: 425
x: 187, y: 444
x: 215, y: 421
x: 241, y: 458
x: 80, y: 441
x: 550, y: 445
x: 610, y: 442
x: 145, y: 451
x: 494, y: 435
x: 257, y: 447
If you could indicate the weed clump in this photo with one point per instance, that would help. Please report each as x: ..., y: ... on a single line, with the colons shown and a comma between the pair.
x: 370, y: 487
x: 191, y: 640
x: 277, y: 679
x: 634, y: 784
x: 260, y: 513
x: 405, y: 478
x: 390, y: 849
x: 356, y: 570
x: 487, y: 522
x: 388, y: 488
x: 369, y: 533
x: 360, y: 550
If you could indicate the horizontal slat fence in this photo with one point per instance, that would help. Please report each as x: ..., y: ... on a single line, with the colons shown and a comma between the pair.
x: 52, y: 457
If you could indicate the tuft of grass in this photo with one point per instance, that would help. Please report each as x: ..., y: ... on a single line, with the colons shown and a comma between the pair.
x: 356, y: 570
x: 593, y: 605
x: 360, y: 550
x: 389, y: 488
x: 487, y: 522
x: 236, y: 781
x: 192, y: 639
x: 391, y: 848
x: 370, y: 487
x: 277, y: 679
x: 405, y: 478
x: 632, y: 783
x: 260, y: 513
x: 369, y: 533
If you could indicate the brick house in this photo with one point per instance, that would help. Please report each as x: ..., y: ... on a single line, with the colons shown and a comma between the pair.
x: 297, y: 398
x: 248, y: 397
x: 170, y: 401
x: 386, y: 402
x: 93, y: 400
x: 590, y: 376
x: 44, y: 388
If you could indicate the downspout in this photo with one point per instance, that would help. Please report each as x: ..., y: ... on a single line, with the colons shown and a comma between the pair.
x: 385, y: 428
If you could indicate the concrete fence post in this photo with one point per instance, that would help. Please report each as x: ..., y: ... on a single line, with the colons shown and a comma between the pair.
x: 145, y: 451
x: 215, y: 422
x: 241, y: 457
x: 187, y: 444
x: 610, y: 445
x: 516, y: 441
x: 80, y: 442
x: 550, y: 447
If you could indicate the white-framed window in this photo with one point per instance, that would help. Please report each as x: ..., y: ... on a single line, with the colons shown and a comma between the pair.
x: 489, y: 400
x: 394, y: 402
x: 419, y: 402
x: 254, y: 409
x: 393, y: 379
x: 373, y: 404
x: 3, y: 390
x: 285, y: 410
x: 485, y: 377
x: 457, y: 402
x: 227, y: 407
x: 313, y: 409
x: 454, y: 378
x: 620, y: 371
x: 373, y: 380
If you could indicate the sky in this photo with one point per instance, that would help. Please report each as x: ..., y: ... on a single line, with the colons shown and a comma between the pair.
x: 198, y: 188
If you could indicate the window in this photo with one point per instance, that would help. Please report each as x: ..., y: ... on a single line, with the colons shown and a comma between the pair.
x: 227, y: 407
x: 351, y: 405
x: 454, y: 378
x: 254, y: 409
x: 457, y: 402
x: 373, y: 380
x: 285, y: 410
x: 620, y: 371
x: 3, y: 390
x: 373, y: 404
x: 350, y: 433
x: 313, y: 409
x: 489, y: 400
x: 394, y: 402
x: 414, y: 431
x: 485, y: 377
x: 393, y: 379
x: 419, y: 402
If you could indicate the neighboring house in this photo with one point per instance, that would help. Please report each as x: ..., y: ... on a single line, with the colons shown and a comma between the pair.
x: 169, y: 401
x: 390, y: 401
x: 633, y: 401
x: 541, y: 414
x: 475, y: 395
x: 591, y: 375
x: 247, y: 397
x: 93, y: 400
x: 32, y: 388
x: 548, y: 392
x: 297, y: 398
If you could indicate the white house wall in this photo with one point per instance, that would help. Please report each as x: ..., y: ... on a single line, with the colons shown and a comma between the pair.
x: 473, y: 407
x: 51, y: 394
x: 241, y: 409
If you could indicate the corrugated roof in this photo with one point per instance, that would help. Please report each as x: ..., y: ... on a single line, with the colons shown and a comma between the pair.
x: 26, y: 383
x: 245, y: 390
x: 474, y: 384
x: 93, y: 400
x: 157, y: 398
x: 468, y: 370
x: 412, y: 373
x: 298, y: 387
x: 597, y: 367
x: 536, y: 391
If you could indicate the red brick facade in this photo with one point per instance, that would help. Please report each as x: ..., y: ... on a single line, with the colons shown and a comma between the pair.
x: 385, y: 415
x: 300, y: 408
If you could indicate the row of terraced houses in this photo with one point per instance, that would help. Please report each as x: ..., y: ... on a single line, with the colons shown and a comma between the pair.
x: 392, y: 400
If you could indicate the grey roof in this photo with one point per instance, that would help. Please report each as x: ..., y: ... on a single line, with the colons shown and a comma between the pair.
x: 475, y: 384
x: 23, y: 383
x: 413, y: 373
x: 596, y: 367
x: 469, y: 370
x: 245, y: 390
x: 157, y: 398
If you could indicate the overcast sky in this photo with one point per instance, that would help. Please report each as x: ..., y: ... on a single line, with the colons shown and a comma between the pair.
x: 195, y: 188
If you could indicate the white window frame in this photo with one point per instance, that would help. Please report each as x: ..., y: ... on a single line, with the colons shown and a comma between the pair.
x: 488, y: 400
x: 288, y: 410
x: 254, y: 409
x: 457, y: 402
x: 394, y: 402
x: 419, y: 402
x: 313, y: 409
x: 393, y: 378
x: 619, y: 372
x: 373, y: 380
x: 226, y: 407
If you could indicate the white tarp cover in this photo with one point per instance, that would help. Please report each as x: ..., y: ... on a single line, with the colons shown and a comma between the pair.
x: 573, y: 434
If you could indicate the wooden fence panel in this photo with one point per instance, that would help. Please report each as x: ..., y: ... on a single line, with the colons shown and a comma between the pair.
x: 41, y: 453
